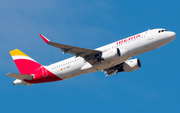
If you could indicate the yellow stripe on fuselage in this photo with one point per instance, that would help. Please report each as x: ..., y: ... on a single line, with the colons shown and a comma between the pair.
x: 17, y: 52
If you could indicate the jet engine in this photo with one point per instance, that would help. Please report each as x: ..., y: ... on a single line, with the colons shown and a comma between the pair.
x: 110, y: 54
x: 131, y: 65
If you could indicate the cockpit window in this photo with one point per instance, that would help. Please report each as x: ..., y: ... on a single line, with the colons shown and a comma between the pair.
x: 162, y: 30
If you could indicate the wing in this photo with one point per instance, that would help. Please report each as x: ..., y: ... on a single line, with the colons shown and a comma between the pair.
x: 113, y: 70
x: 88, y: 54
x: 19, y: 76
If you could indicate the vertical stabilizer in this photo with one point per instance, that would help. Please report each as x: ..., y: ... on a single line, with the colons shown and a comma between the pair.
x: 24, y: 63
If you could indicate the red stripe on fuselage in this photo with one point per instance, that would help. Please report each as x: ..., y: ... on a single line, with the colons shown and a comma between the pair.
x: 40, y: 73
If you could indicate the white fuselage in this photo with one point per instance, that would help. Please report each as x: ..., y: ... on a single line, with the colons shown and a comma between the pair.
x: 133, y: 46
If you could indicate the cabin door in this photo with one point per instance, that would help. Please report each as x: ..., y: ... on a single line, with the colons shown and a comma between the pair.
x: 44, y: 72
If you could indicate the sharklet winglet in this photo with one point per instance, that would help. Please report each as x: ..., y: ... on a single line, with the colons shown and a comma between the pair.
x: 44, y: 38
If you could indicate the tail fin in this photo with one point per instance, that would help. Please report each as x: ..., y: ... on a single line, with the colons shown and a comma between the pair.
x: 24, y: 63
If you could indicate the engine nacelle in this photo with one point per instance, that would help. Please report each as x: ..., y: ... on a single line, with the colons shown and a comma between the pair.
x: 110, y: 54
x: 131, y: 65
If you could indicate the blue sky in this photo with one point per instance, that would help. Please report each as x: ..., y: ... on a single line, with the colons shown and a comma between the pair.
x: 90, y: 24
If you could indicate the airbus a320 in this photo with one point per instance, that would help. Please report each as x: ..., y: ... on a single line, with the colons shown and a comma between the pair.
x: 111, y: 59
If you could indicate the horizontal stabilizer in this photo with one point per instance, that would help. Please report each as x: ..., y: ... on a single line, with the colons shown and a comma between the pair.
x: 20, y: 76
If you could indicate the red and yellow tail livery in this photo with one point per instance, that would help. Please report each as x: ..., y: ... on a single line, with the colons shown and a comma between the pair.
x: 30, y: 70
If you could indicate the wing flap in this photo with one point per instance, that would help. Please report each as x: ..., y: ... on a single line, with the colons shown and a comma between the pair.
x: 20, y: 76
x: 112, y: 70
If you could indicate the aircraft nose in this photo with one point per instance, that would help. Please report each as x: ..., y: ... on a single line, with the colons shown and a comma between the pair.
x: 172, y: 35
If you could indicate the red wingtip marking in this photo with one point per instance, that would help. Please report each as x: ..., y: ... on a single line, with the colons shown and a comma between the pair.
x: 44, y: 38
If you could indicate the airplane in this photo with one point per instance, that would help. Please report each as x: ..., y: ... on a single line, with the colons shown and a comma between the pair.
x: 111, y: 59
